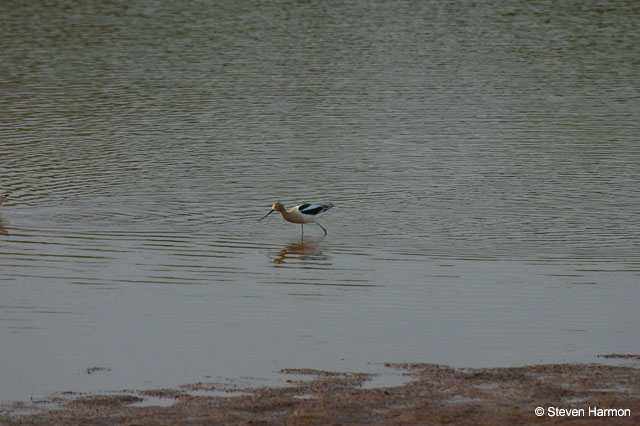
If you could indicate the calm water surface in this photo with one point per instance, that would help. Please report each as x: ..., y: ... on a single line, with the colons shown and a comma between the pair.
x: 483, y: 157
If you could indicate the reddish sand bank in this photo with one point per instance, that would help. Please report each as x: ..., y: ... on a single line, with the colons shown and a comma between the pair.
x: 436, y: 395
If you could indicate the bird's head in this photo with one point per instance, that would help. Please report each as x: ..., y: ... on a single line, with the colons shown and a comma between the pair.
x: 276, y: 207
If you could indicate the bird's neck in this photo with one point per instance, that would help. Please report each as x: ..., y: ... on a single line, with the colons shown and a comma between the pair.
x: 284, y: 213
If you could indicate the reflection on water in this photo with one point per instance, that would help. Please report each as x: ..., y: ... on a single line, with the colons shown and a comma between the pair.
x: 485, y: 157
x: 305, y: 253
x: 3, y: 229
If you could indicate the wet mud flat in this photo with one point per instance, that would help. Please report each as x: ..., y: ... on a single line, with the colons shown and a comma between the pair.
x: 431, y: 394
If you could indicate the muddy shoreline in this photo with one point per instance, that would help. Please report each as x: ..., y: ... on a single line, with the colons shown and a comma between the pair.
x: 433, y: 394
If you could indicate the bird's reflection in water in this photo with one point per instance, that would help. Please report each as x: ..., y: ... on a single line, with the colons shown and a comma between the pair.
x: 3, y: 230
x: 305, y: 253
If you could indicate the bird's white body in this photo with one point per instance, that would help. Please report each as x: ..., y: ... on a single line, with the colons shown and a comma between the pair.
x: 304, y: 213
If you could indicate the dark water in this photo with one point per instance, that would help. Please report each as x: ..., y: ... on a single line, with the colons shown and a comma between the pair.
x: 483, y: 157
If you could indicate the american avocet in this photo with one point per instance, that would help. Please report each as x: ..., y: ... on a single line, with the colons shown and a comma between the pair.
x: 304, y: 213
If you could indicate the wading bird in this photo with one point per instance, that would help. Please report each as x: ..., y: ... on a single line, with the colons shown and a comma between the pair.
x: 304, y: 213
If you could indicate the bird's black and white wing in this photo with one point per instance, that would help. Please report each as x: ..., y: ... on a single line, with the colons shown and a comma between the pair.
x: 313, y: 209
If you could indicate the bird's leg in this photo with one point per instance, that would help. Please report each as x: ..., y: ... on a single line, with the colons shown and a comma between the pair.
x: 325, y: 231
x: 302, y: 226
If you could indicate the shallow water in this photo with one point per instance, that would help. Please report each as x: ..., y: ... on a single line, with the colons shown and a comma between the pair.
x: 484, y: 161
